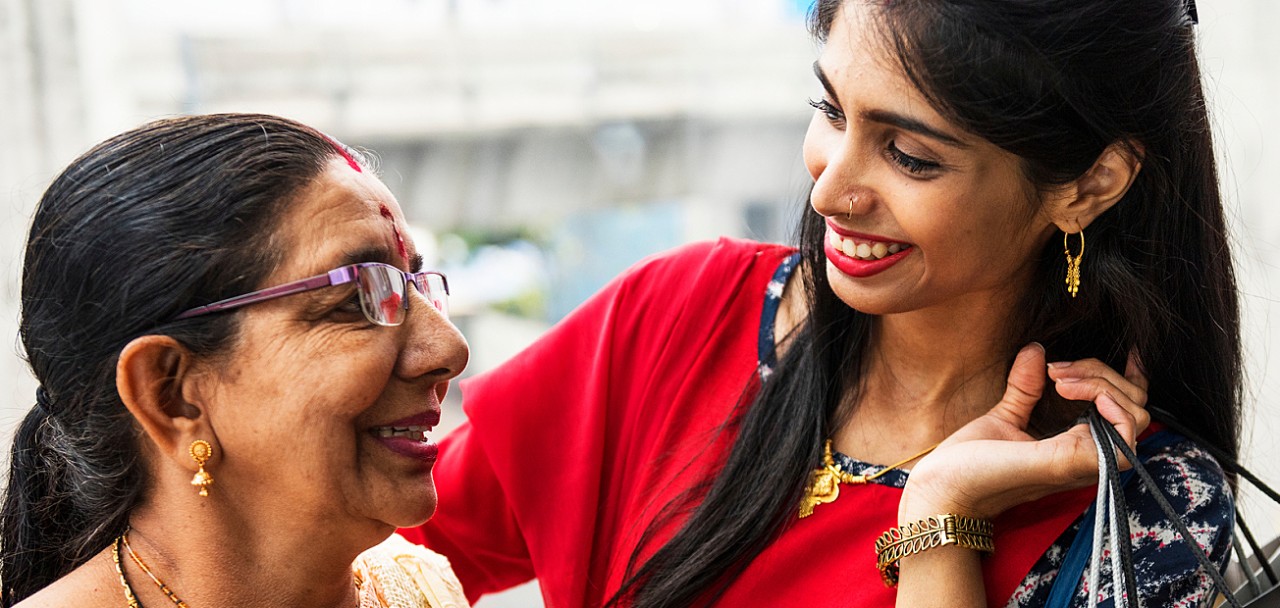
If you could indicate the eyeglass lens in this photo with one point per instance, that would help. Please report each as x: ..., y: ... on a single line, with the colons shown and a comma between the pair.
x: 382, y: 293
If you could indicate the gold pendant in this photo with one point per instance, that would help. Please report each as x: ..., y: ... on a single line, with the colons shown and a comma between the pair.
x: 823, y: 488
x: 1073, y: 276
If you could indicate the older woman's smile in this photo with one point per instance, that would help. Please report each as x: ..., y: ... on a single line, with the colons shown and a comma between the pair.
x: 408, y: 436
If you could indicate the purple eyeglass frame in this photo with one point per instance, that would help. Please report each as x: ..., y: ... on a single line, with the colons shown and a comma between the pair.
x: 337, y: 276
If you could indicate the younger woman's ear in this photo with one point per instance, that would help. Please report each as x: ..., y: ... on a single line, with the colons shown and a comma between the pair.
x: 150, y: 375
x: 1075, y: 205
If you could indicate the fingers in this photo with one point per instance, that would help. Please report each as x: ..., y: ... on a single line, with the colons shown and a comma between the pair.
x: 1133, y: 384
x: 1128, y: 416
x: 1026, y: 385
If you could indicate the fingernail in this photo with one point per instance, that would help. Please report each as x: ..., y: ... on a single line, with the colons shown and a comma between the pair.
x: 1060, y: 364
x: 1066, y: 380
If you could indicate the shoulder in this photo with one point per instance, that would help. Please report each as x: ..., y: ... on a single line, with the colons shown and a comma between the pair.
x: 723, y: 254
x: 1190, y: 478
x: 95, y: 583
x: 398, y: 566
x: 1197, y: 488
x: 702, y: 266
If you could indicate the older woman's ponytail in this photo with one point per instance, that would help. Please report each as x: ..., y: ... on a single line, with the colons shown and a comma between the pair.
x: 69, y: 494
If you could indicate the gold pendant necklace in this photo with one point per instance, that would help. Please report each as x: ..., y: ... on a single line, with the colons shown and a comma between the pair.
x: 824, y: 481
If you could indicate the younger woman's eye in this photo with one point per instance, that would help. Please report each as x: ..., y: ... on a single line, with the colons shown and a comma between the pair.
x: 909, y: 163
x: 833, y: 114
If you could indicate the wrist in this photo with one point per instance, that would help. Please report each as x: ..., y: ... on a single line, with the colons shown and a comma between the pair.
x: 927, y: 493
x: 929, y: 535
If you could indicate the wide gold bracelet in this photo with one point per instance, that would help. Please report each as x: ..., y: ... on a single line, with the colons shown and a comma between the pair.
x: 928, y: 533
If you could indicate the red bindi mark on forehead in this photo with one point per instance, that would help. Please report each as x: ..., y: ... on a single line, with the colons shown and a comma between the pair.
x: 342, y: 151
x: 395, y: 230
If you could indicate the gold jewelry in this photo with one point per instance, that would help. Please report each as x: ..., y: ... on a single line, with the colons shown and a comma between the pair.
x: 929, y: 533
x: 128, y: 591
x: 201, y: 452
x: 1073, y: 263
x: 124, y: 539
x: 824, y: 481
x: 849, y: 214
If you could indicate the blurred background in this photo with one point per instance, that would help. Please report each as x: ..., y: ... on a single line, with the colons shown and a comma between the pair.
x: 539, y: 147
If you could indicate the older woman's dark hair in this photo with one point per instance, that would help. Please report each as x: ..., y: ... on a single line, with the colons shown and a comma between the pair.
x: 1055, y: 82
x: 172, y: 215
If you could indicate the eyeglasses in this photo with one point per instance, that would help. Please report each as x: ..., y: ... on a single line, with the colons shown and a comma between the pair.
x: 383, y: 290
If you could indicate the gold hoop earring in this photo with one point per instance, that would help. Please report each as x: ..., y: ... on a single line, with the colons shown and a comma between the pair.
x: 201, y: 452
x: 1073, y: 263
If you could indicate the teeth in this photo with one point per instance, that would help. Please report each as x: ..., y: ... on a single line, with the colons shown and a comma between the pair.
x: 870, y: 250
x: 416, y: 433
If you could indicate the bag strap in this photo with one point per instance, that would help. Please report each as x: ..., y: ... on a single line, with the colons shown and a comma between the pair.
x: 1158, y: 494
x: 1228, y: 463
x: 1077, y: 558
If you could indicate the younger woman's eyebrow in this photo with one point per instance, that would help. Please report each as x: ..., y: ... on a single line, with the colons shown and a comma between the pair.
x: 906, y: 123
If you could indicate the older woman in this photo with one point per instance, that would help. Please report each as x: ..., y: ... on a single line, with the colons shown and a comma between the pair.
x: 731, y: 423
x: 239, y: 358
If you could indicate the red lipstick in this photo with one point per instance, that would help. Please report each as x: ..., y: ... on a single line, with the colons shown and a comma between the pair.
x: 857, y: 267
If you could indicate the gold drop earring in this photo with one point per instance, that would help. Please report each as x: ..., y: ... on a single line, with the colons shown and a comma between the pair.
x: 201, y: 452
x: 1073, y: 263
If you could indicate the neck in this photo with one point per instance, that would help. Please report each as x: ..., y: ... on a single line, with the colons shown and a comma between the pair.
x: 211, y: 557
x: 927, y: 373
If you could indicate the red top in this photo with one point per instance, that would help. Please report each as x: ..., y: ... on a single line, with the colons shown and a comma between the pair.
x: 573, y: 446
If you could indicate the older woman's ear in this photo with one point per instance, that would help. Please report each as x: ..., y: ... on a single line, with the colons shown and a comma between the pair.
x: 152, y: 377
x: 1075, y: 205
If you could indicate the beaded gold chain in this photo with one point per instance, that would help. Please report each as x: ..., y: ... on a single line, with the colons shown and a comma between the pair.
x: 367, y: 596
x: 128, y: 590
x: 824, y: 481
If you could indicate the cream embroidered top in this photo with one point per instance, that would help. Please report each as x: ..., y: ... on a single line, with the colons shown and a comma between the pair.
x: 400, y: 574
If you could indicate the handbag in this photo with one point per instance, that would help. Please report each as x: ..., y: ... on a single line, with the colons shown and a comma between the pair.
x: 1103, y: 525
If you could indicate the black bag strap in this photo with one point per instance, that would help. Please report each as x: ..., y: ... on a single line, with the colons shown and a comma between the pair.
x: 1227, y: 462
x: 1109, y: 434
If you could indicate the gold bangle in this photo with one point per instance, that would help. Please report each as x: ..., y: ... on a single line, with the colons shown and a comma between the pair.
x: 928, y: 533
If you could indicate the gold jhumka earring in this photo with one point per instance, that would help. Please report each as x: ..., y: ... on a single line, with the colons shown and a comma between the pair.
x: 1073, y: 263
x: 201, y: 452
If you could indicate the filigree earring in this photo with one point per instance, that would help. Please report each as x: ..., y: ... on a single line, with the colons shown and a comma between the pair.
x: 201, y: 452
x: 1073, y: 263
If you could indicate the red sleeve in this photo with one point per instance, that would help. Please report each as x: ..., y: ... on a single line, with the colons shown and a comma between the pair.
x: 523, y: 486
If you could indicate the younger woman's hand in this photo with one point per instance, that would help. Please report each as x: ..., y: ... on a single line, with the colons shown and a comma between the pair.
x: 993, y: 464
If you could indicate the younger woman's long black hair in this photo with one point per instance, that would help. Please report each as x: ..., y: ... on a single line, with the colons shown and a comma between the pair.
x: 168, y: 216
x: 1054, y: 82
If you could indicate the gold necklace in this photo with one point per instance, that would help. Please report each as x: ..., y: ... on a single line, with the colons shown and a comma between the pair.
x: 128, y: 590
x: 366, y: 595
x: 824, y: 481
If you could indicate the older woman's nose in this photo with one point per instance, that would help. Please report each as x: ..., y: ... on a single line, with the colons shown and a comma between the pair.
x: 432, y: 345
